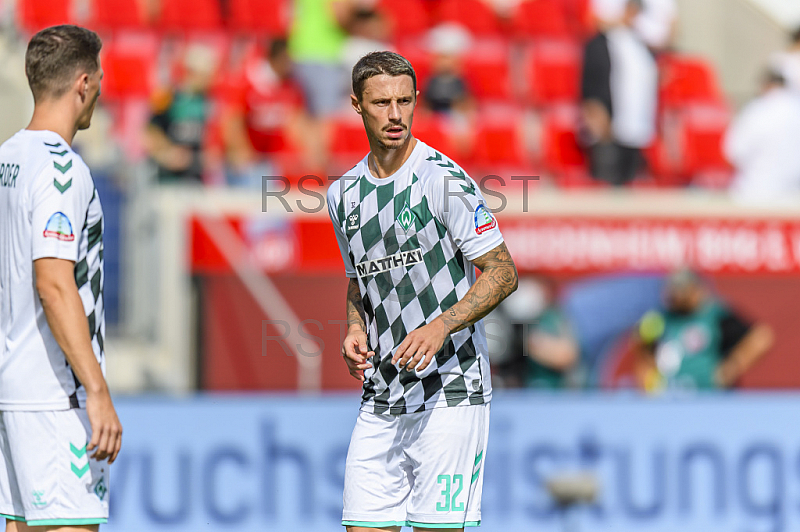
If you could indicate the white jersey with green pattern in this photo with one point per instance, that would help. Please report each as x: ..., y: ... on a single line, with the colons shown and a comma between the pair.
x: 410, y: 239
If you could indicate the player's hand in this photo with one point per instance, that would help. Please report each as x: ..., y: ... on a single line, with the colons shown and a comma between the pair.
x: 356, y: 352
x: 106, y: 428
x: 420, y: 345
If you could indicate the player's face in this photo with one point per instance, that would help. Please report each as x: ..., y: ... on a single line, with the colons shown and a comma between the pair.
x: 387, y: 108
x: 93, y: 92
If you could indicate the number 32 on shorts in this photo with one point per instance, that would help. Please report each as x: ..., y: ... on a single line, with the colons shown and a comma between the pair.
x: 450, y: 503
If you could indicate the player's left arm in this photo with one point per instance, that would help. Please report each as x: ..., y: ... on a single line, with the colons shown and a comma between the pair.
x: 753, y: 343
x: 497, y: 281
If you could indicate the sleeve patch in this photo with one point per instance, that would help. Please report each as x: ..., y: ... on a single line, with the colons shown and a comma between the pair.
x: 484, y: 221
x: 59, y: 227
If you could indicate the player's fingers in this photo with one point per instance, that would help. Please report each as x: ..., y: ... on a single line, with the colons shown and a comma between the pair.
x: 426, y: 361
x: 95, y: 437
x: 418, y: 356
x: 116, y: 444
x: 398, y: 354
x: 101, y: 452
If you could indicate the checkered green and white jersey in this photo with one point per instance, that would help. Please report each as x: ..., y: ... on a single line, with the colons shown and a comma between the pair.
x: 410, y: 239
x: 49, y: 208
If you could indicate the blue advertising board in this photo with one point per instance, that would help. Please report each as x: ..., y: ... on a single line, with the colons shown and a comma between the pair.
x: 708, y: 463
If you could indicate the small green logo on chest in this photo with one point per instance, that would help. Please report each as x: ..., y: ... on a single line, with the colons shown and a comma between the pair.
x: 406, y: 217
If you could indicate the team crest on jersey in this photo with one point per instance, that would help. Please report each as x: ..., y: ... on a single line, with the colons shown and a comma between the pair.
x: 59, y: 227
x: 398, y: 260
x: 406, y: 218
x: 352, y: 222
x: 484, y: 221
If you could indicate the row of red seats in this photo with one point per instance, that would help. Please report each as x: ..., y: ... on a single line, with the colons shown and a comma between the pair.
x: 554, y: 18
x: 267, y: 17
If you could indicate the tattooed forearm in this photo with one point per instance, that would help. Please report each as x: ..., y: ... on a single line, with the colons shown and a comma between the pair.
x: 355, y: 306
x: 497, y: 281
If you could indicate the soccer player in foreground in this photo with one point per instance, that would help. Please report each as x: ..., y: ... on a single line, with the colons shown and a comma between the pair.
x: 411, y: 227
x: 58, y: 428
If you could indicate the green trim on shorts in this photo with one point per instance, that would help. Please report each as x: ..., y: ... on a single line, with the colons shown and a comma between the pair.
x: 67, y: 522
x: 375, y: 524
x: 13, y: 517
x: 383, y: 524
x: 443, y: 525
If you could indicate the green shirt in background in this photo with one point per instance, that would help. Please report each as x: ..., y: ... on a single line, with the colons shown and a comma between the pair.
x: 315, y: 34
x: 551, y: 322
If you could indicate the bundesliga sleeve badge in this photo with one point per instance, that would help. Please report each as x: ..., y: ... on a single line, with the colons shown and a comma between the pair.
x: 59, y: 227
x: 484, y: 221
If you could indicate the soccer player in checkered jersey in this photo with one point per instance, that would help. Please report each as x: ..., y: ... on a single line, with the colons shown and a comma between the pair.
x: 412, y: 227
x: 58, y: 428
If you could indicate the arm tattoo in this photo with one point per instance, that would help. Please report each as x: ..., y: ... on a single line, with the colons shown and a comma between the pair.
x: 498, y: 279
x: 355, y: 306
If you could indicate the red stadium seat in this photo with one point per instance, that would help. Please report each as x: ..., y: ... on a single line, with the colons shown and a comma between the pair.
x: 475, y: 15
x: 420, y: 58
x: 536, y: 18
x: 431, y: 130
x: 687, y: 80
x: 487, y: 70
x: 498, y: 142
x: 185, y: 15
x: 259, y: 16
x: 703, y: 128
x: 349, y: 137
x: 117, y: 14
x: 553, y: 73
x: 38, y: 14
x: 561, y: 151
x: 129, y: 63
x: 407, y: 17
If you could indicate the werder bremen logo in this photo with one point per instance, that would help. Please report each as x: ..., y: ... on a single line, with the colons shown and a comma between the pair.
x: 406, y: 217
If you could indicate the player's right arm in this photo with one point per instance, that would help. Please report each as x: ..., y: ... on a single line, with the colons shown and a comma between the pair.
x: 55, y: 283
x: 355, y: 350
x: 354, y: 347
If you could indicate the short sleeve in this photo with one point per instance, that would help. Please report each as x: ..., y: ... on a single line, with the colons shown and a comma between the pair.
x: 334, y: 203
x: 458, y: 203
x: 59, y: 203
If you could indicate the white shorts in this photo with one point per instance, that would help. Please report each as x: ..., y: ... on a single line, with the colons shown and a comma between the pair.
x: 46, y: 475
x: 422, y: 469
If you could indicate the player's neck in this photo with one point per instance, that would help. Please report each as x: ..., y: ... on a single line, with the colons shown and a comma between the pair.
x: 383, y: 163
x: 52, y: 116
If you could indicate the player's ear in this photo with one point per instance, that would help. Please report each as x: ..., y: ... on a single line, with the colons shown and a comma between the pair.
x: 83, y: 85
x: 355, y: 103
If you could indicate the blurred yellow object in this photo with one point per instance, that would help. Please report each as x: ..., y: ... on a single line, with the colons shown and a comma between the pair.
x: 160, y: 100
x: 651, y: 327
x: 653, y: 381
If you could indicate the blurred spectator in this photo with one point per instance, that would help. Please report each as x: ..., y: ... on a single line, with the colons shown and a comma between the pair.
x: 762, y: 144
x: 367, y: 33
x: 619, y: 93
x: 446, y: 91
x: 263, y: 117
x: 175, y: 134
x: 787, y: 63
x: 697, y: 342
x: 316, y: 43
x: 655, y: 23
x: 530, y: 340
x: 552, y: 350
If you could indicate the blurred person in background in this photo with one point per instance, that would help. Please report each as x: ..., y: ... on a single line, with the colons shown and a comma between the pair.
x: 655, y: 23
x: 174, y: 137
x: 787, y: 62
x: 263, y: 116
x: 531, y: 342
x: 762, y: 144
x: 316, y: 43
x: 367, y: 32
x: 697, y: 342
x: 619, y: 87
x: 447, y: 91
